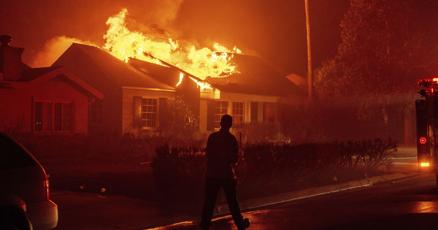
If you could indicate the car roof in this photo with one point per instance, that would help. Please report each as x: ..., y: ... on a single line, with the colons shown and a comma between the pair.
x: 25, y: 150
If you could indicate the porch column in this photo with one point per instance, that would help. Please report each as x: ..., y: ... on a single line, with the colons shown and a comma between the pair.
x: 203, y: 115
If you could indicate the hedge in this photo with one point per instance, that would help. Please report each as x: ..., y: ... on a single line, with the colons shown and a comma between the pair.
x: 179, y: 172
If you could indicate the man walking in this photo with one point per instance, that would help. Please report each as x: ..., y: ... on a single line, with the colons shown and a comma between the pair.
x: 222, y: 155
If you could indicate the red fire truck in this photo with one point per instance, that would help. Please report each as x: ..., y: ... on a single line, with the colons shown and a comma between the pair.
x: 427, y: 124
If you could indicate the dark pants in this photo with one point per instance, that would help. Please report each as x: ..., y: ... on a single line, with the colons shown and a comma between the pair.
x: 212, y: 187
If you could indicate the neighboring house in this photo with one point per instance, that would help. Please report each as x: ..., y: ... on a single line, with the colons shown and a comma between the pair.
x: 134, y: 101
x: 41, y: 100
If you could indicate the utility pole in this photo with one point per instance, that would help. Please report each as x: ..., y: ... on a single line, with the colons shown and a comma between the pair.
x: 309, y: 53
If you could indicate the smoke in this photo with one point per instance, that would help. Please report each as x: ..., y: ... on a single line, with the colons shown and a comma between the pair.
x: 156, y: 18
x: 54, y: 48
x: 152, y: 16
x: 165, y: 12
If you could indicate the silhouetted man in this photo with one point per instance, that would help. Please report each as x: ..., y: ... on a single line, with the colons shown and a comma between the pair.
x: 222, y: 154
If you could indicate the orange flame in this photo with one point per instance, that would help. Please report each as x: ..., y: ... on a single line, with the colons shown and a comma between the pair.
x: 201, y: 62
x: 181, y: 78
x: 202, y: 85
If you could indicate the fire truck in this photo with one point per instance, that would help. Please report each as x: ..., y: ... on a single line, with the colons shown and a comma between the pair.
x: 427, y: 124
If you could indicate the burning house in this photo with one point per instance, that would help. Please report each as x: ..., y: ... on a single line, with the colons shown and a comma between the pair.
x: 139, y: 94
x: 41, y: 100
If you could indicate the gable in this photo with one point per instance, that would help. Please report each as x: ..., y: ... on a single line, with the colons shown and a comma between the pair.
x: 56, y: 74
x: 104, y: 71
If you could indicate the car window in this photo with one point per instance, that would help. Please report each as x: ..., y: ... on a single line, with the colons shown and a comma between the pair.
x: 13, y: 155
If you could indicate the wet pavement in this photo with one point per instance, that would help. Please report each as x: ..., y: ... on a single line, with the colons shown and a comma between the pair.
x: 405, y: 204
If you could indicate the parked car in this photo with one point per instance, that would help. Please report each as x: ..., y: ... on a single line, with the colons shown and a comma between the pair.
x: 24, y: 194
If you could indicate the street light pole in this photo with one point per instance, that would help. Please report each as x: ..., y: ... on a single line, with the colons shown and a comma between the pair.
x: 309, y: 53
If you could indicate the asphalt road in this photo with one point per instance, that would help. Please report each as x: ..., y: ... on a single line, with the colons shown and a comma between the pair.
x: 406, y: 204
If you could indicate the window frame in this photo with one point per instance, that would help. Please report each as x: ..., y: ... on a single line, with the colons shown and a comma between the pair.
x: 48, y: 116
x: 220, y: 109
x: 254, y: 112
x: 144, y: 121
x: 238, y: 118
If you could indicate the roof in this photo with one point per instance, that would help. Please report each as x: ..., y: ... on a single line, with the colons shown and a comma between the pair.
x: 30, y: 74
x: 104, y: 71
x: 255, y: 77
x: 164, y: 74
x: 32, y: 77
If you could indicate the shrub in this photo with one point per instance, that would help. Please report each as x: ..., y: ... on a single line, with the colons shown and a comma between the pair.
x: 275, y: 167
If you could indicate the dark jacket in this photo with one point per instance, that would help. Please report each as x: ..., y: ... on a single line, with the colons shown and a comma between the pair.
x: 222, y: 154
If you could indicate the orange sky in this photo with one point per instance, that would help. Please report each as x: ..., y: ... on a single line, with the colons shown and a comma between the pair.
x: 274, y: 29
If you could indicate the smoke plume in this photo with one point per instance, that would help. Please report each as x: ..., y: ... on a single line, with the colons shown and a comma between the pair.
x: 154, y: 16
x: 54, y: 48
x: 164, y: 12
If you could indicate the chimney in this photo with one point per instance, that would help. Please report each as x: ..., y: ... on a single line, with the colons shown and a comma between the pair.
x: 11, y: 66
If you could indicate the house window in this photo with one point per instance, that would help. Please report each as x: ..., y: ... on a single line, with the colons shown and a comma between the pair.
x: 58, y: 116
x: 238, y: 113
x: 221, y: 108
x: 149, y: 110
x: 38, y: 116
x: 254, y: 112
x: 49, y: 113
x: 49, y: 116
